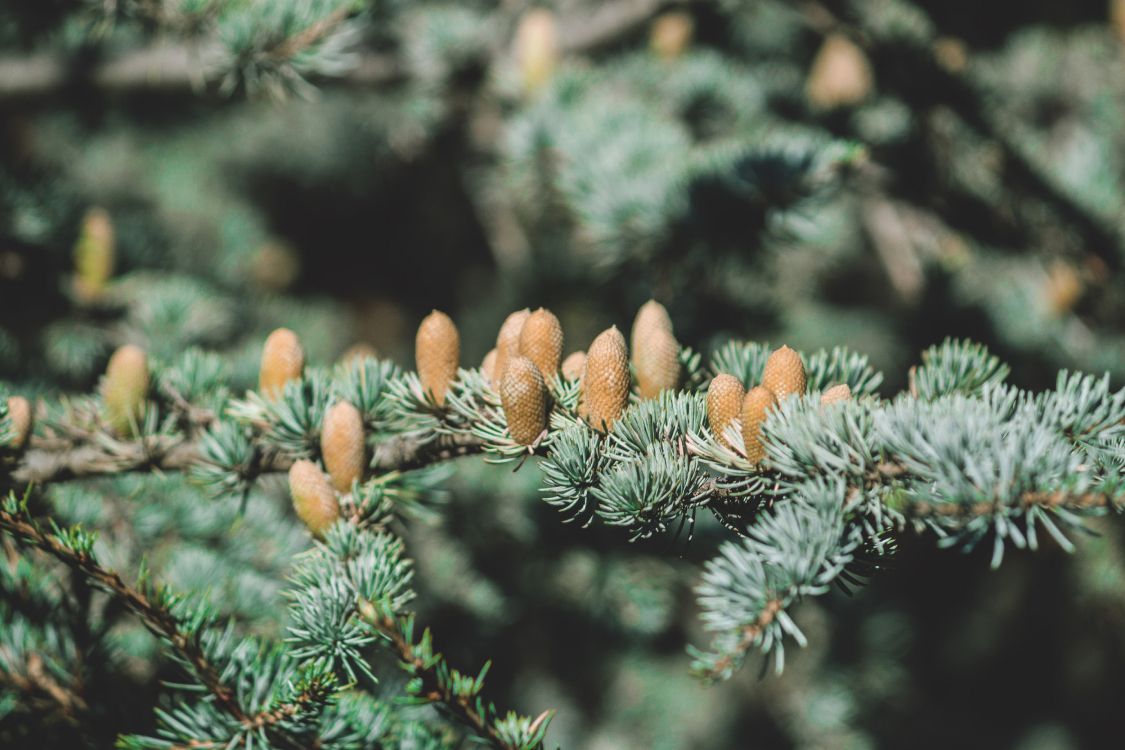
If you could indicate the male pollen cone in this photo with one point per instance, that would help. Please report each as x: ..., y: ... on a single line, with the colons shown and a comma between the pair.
x: 651, y: 316
x: 437, y: 352
x: 836, y: 394
x: 536, y: 48
x: 488, y: 365
x: 605, y: 383
x: 523, y: 395
x: 313, y: 497
x: 19, y: 414
x: 342, y: 445
x: 784, y: 373
x: 755, y: 405
x: 656, y: 361
x: 573, y: 365
x: 656, y: 353
x: 541, y: 341
x: 93, y: 254
x: 724, y: 403
x: 840, y: 76
x: 508, y: 344
x: 283, y: 359
x: 125, y: 386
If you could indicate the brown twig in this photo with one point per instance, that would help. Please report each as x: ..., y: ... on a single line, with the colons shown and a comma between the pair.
x: 49, y: 461
x: 34, y: 680
x: 1059, y: 499
x: 157, y: 618
x: 432, y: 688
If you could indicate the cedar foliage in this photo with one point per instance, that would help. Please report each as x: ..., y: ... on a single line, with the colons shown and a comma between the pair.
x: 921, y: 201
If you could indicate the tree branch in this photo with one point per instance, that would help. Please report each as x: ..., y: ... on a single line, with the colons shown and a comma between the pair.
x: 436, y: 690
x: 156, y: 617
x: 163, y: 68
x: 50, y: 461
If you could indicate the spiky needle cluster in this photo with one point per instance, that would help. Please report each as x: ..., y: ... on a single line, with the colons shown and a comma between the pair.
x: 813, y: 472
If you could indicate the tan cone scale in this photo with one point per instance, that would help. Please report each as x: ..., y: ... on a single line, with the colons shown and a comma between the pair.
x: 508, y: 343
x: 784, y: 373
x: 755, y: 405
x: 437, y: 353
x: 19, y: 414
x: 283, y: 359
x: 342, y: 445
x: 656, y: 362
x: 836, y: 394
x: 605, y: 382
x: 125, y: 387
x: 573, y: 365
x: 541, y: 341
x: 523, y: 395
x: 724, y: 404
x: 313, y: 497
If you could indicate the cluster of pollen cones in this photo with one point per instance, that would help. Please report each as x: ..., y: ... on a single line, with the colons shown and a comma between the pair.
x: 527, y: 362
x: 728, y: 400
x: 525, y: 365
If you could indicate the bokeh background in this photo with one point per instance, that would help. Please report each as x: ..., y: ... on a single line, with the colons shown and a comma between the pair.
x: 874, y: 173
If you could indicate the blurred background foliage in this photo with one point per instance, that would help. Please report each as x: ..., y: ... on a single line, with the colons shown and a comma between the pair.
x: 874, y: 173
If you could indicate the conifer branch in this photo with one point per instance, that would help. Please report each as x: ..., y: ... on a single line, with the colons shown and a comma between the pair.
x: 34, y: 679
x: 435, y: 686
x: 75, y: 551
x: 52, y: 461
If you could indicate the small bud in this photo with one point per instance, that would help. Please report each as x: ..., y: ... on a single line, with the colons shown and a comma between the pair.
x: 951, y: 53
x: 342, y: 445
x: 1063, y: 288
x: 541, y: 341
x: 275, y: 266
x: 313, y: 497
x: 508, y: 344
x: 19, y: 414
x: 283, y: 360
x: 536, y: 48
x: 437, y: 352
x: 605, y: 382
x: 573, y: 365
x: 836, y: 394
x: 488, y: 365
x: 755, y: 406
x: 840, y: 76
x: 523, y: 395
x: 724, y: 403
x: 367, y: 611
x: 671, y: 34
x: 784, y: 373
x: 93, y: 255
x: 125, y: 387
